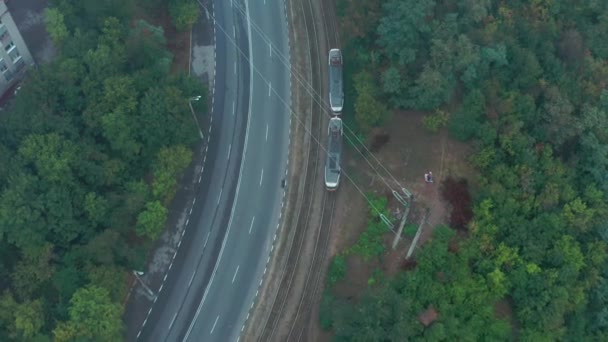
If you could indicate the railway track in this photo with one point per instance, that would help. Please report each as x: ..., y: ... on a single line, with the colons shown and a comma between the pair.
x: 317, y: 222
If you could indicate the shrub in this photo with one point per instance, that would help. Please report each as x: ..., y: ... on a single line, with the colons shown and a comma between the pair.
x: 325, y: 311
x: 436, y: 121
x: 337, y: 270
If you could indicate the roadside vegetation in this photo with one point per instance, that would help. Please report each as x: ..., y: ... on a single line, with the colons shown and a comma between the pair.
x: 90, y: 155
x: 524, y: 82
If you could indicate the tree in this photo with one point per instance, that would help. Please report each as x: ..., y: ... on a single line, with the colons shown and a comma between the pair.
x: 169, y: 165
x: 184, y: 13
x: 151, y: 221
x: 369, y: 111
x: 403, y: 28
x: 92, y: 315
x: 55, y: 25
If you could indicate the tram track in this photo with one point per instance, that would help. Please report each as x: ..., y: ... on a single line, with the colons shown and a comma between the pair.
x: 283, y: 323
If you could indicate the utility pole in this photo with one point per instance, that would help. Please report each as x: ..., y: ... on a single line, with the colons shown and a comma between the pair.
x: 406, y: 202
x: 139, y: 273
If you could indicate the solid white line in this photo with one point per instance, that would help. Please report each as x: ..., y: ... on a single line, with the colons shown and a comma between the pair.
x: 191, y: 278
x: 269, y: 88
x: 261, y: 176
x: 235, y: 67
x: 235, y: 272
x: 233, y: 108
x: 220, y: 196
x: 218, y: 317
x: 234, y: 31
x: 229, y: 149
x: 270, y: 46
x: 173, y: 321
x: 266, y: 132
x: 251, y: 226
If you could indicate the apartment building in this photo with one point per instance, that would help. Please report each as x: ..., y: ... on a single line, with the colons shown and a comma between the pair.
x: 15, y: 57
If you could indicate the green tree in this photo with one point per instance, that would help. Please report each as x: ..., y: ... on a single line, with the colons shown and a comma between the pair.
x: 369, y: 111
x: 93, y: 316
x: 55, y: 25
x: 184, y: 13
x: 151, y: 221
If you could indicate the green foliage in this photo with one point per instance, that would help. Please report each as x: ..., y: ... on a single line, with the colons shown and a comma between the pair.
x: 55, y: 25
x: 92, y: 316
x: 184, y: 13
x: 169, y: 165
x: 337, y: 270
x: 410, y: 230
x: 90, y: 152
x: 369, y: 110
x: 325, y: 311
x: 443, y: 280
x: 151, y: 221
x: 524, y: 82
x: 436, y: 121
x: 370, y: 242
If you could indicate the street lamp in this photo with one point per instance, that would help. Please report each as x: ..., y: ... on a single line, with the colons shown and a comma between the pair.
x: 137, y: 275
x: 195, y: 98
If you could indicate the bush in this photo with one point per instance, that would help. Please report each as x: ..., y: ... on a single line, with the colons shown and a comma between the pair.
x: 370, y: 243
x: 436, y: 121
x: 337, y: 270
x: 410, y: 230
x: 456, y: 192
x: 325, y: 311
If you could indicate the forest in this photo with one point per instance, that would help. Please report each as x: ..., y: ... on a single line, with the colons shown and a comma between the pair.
x: 523, y: 82
x: 91, y: 151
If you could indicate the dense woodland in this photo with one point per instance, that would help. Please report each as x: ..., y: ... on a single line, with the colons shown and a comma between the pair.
x: 525, y: 83
x: 90, y: 153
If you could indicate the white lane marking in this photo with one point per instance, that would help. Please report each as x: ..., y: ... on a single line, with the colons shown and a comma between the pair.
x: 266, y: 132
x: 213, y: 328
x: 269, y: 88
x: 173, y: 321
x: 235, y: 67
x: 261, y: 177
x: 229, y: 149
x: 194, y: 202
x: 251, y: 225
x: 234, y: 31
x: 220, y: 196
x: 191, y: 278
x: 235, y: 272
x: 269, y: 44
x: 233, y: 108
x: 207, y: 239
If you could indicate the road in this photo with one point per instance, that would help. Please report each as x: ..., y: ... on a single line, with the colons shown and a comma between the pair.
x: 259, y: 194
x: 214, y: 278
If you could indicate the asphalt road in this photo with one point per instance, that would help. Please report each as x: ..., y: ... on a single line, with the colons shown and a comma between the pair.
x: 258, y: 200
x: 215, y: 275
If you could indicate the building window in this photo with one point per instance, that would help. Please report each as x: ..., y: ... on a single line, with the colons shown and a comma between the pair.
x: 14, y: 54
x: 19, y: 64
x: 8, y: 74
x: 3, y: 66
x: 9, y: 46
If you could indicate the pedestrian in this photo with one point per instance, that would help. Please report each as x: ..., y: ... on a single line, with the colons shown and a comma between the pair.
x: 428, y: 177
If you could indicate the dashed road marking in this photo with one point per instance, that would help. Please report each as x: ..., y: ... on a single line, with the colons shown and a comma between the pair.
x: 235, y: 272
x: 213, y: 328
x: 251, y: 225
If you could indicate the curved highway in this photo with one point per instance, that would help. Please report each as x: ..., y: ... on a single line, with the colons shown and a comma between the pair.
x: 215, y: 275
x: 224, y: 308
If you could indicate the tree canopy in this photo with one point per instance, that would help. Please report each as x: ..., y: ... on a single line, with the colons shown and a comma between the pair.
x: 91, y: 151
x: 524, y: 82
